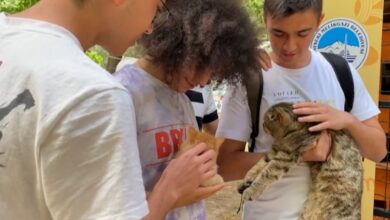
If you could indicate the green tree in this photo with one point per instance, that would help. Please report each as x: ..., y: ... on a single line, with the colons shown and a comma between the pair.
x: 255, y: 10
x: 13, y: 6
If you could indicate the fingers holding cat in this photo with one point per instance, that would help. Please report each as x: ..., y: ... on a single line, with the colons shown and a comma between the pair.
x: 265, y: 60
x: 319, y: 149
x: 184, y: 174
x: 199, y: 193
x: 326, y: 116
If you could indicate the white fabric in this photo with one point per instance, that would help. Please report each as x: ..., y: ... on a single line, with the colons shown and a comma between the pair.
x: 162, y: 116
x: 314, y: 82
x: 203, y: 103
x: 68, y: 145
x: 125, y: 61
x: 208, y: 105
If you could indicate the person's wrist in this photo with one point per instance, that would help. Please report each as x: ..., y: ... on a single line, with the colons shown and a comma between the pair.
x: 350, y: 123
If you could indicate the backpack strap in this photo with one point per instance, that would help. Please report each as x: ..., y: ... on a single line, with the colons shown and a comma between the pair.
x: 344, y: 75
x: 254, y: 90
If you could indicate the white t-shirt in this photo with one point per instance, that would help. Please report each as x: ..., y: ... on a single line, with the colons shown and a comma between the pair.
x: 163, y: 116
x: 68, y: 145
x: 315, y: 82
x: 204, y: 105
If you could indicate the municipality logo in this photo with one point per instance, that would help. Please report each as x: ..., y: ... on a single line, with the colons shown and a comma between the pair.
x: 344, y: 37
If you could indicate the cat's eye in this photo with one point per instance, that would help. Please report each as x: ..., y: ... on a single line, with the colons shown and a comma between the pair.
x: 272, y: 117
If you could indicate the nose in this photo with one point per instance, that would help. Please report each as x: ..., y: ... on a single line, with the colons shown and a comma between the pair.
x: 290, y: 44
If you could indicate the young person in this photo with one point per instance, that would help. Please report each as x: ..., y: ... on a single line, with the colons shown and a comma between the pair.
x: 202, y: 39
x: 68, y: 147
x: 303, y: 76
x: 202, y: 100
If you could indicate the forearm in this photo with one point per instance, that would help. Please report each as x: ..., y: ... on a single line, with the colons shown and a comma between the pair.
x: 160, y: 202
x: 234, y: 165
x: 370, y: 138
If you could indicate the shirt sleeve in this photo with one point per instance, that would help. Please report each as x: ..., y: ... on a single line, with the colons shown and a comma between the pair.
x: 364, y: 106
x: 211, y: 113
x: 235, y: 122
x: 90, y: 162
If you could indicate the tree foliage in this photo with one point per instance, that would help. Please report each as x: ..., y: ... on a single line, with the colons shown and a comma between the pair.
x: 13, y: 6
x: 255, y: 8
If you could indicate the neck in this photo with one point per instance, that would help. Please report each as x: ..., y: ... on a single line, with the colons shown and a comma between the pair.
x: 151, y: 68
x: 68, y: 15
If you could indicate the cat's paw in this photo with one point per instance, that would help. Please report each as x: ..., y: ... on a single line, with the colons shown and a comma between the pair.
x: 248, y: 194
x: 243, y: 186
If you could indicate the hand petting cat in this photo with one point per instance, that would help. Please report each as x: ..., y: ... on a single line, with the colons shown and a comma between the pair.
x: 326, y: 116
x: 368, y: 133
x: 320, y: 148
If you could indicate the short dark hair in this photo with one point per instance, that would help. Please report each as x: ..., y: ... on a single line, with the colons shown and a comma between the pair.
x: 205, y: 34
x: 285, y: 8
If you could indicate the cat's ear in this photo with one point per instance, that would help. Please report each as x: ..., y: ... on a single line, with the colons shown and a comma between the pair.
x: 219, y: 141
x: 275, y: 116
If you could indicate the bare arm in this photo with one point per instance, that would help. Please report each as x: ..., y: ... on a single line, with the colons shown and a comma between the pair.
x: 370, y: 138
x: 211, y: 127
x: 233, y: 161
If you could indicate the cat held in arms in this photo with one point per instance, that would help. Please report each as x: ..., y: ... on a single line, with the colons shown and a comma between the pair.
x: 336, y: 184
x: 195, y: 137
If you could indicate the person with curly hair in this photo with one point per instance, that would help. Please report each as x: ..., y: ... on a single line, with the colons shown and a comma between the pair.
x: 192, y: 42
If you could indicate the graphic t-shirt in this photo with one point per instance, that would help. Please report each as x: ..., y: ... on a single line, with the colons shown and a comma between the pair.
x: 163, y: 116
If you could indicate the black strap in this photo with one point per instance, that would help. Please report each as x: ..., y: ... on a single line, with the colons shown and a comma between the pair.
x: 254, y: 89
x: 344, y: 75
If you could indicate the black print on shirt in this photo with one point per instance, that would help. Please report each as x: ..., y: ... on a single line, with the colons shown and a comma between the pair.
x: 25, y: 98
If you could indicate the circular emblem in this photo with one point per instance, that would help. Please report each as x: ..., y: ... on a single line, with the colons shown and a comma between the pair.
x: 344, y: 37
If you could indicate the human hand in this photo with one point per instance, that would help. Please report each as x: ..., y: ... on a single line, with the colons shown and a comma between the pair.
x: 198, y: 194
x: 184, y: 174
x: 319, y: 149
x: 265, y: 60
x: 326, y: 116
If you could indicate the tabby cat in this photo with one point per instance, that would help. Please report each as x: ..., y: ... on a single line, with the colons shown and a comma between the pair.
x: 195, y: 137
x: 336, y: 184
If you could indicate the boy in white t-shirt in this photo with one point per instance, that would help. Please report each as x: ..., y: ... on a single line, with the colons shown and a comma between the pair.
x: 196, y: 40
x: 68, y: 147
x: 301, y: 76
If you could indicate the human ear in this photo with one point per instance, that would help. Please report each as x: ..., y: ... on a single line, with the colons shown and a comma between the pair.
x: 320, y: 18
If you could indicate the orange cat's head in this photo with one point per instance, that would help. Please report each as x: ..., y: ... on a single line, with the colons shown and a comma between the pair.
x: 195, y: 137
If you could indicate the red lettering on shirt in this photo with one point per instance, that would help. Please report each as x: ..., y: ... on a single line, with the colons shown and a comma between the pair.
x: 164, y: 149
x: 166, y: 142
x: 177, y: 138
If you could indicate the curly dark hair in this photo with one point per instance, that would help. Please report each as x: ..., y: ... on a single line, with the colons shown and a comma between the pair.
x: 205, y: 34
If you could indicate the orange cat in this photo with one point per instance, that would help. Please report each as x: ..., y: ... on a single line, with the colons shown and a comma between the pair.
x: 195, y: 137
